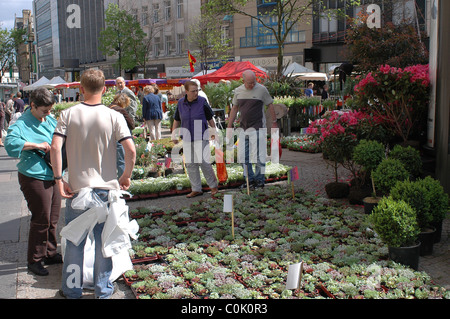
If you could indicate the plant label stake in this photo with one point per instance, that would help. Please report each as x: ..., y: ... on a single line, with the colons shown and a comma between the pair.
x: 184, y: 166
x: 293, y: 176
x: 246, y: 175
x: 294, y: 276
x: 228, y: 208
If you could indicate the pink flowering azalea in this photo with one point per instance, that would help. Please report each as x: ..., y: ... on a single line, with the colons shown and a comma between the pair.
x: 398, y: 96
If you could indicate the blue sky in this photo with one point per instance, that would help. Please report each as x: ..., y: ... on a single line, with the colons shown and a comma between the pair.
x: 10, y: 7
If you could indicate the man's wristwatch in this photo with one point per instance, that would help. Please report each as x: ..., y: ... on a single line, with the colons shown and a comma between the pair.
x: 57, y: 177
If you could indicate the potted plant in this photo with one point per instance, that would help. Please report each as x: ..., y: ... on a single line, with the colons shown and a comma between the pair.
x: 404, y: 104
x: 439, y: 204
x: 329, y: 104
x: 369, y: 154
x: 337, y: 143
x: 338, y: 133
x: 410, y: 157
x: 388, y: 173
x: 430, y: 203
x: 396, y: 224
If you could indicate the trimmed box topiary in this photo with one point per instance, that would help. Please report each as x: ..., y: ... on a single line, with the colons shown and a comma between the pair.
x: 388, y: 173
x: 410, y: 157
x: 395, y: 222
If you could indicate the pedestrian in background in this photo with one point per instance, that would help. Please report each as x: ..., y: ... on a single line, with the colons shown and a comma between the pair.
x: 19, y: 104
x: 152, y: 112
x: 9, y: 110
x: 90, y: 131
x: 250, y: 100
x: 121, y: 88
x: 309, y: 90
x: 325, y: 92
x: 2, y: 121
x: 28, y: 139
x: 119, y: 104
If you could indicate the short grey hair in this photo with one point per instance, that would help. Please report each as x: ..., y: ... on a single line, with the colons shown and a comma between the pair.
x: 42, y: 97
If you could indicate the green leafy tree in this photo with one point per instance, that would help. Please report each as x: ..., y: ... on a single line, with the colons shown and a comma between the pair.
x: 140, y: 48
x: 205, y: 34
x: 123, y: 36
x: 287, y: 13
x: 9, y: 42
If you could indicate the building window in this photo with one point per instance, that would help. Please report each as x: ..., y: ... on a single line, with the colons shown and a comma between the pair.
x: 224, y: 33
x: 180, y: 43
x: 328, y: 26
x: 156, y: 42
x: 167, y: 45
x: 145, y: 16
x: 180, y: 10
x: 167, y: 10
x: 258, y: 36
x: 134, y: 13
x: 328, y: 23
x: 156, y: 13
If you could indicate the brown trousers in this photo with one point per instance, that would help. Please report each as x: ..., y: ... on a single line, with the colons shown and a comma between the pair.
x: 44, y: 203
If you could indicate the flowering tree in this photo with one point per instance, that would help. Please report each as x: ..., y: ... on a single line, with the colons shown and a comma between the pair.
x: 339, y: 132
x: 399, y: 96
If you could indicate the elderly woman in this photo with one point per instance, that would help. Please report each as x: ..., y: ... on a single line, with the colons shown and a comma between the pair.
x: 152, y: 112
x: 28, y: 139
x: 119, y: 104
x: 194, y: 114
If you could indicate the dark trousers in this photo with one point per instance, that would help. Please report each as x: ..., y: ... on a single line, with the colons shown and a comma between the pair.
x: 44, y: 203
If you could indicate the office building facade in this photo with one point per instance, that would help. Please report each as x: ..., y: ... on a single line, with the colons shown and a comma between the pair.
x: 67, y: 34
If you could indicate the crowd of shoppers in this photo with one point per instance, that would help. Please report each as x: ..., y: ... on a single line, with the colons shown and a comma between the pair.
x: 97, y: 142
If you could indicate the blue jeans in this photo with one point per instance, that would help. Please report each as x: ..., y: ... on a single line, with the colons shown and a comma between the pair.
x: 120, y: 160
x: 259, y: 175
x: 72, y: 276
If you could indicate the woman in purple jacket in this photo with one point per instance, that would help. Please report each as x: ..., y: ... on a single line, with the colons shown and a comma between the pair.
x: 194, y: 114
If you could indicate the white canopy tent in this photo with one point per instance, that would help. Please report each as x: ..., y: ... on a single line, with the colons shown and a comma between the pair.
x: 203, y: 72
x: 315, y: 76
x: 303, y: 73
x: 295, y: 68
x: 42, y: 81
x: 54, y: 82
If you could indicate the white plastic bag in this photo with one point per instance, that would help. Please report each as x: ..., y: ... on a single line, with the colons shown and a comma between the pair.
x: 115, y: 236
x: 87, y: 199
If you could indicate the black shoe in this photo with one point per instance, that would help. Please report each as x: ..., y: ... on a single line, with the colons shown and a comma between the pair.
x: 57, y: 259
x: 250, y: 185
x: 38, y: 269
x: 259, y: 184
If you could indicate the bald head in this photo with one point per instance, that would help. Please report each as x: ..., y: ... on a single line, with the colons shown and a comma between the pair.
x: 249, y: 78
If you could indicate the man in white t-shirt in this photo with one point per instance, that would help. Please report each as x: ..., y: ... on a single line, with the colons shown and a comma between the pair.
x: 90, y: 131
x: 250, y: 100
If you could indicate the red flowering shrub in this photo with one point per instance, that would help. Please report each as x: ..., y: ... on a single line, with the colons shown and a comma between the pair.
x: 339, y: 132
x: 399, y: 96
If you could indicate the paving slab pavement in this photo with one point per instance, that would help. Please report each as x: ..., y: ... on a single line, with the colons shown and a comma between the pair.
x: 17, y: 283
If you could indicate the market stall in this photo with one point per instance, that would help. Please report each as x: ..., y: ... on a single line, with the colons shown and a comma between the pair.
x: 231, y: 71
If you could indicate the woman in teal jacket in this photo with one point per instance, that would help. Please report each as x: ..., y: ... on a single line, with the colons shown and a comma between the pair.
x: 28, y: 139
